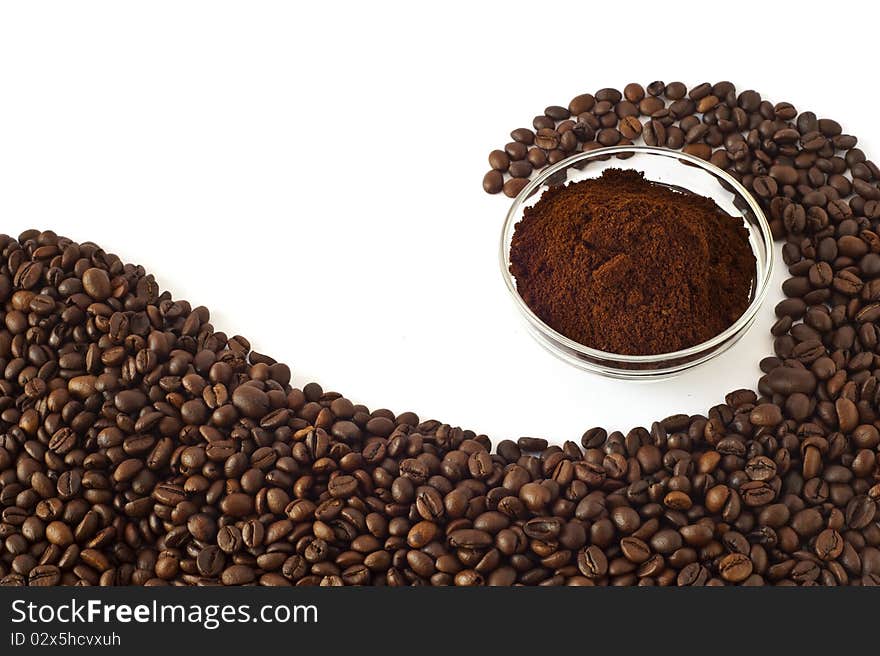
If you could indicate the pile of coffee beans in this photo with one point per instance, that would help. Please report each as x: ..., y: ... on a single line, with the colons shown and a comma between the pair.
x: 774, y: 150
x: 141, y: 446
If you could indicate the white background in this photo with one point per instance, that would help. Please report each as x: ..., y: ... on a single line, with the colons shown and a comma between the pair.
x: 311, y: 171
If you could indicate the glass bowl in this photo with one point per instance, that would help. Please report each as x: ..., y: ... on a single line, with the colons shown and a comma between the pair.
x: 677, y: 170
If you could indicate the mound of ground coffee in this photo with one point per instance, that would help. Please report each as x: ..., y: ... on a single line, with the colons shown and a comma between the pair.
x: 630, y: 266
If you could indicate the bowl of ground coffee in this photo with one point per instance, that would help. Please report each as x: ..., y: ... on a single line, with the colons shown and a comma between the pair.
x: 636, y: 262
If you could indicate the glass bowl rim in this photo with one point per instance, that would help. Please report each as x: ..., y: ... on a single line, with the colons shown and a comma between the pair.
x: 762, y: 281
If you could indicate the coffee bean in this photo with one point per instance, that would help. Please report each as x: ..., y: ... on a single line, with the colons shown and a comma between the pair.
x: 537, y: 158
x: 788, y: 380
x: 422, y: 534
x: 735, y: 567
x: 656, y: 88
x: 626, y: 519
x: 429, y: 504
x: 237, y: 504
x: 543, y: 121
x: 568, y: 141
x: 96, y: 283
x: 805, y: 571
x: 513, y: 186
x: 523, y: 135
x: 760, y: 468
x: 677, y: 500
x: 666, y: 541
x: 59, y: 533
x: 342, y: 486
x: 766, y: 414
x: 520, y: 169
x: 534, y: 444
x: 250, y: 401
x: 581, y: 104
x: 608, y: 137
x: 651, y: 106
x: 703, y: 151
x: 499, y: 161
x: 630, y: 127
x: 516, y: 150
x: 860, y: 512
x: 829, y: 545
x: 210, y: 561
x: 829, y: 127
x: 470, y: 539
x: 609, y: 94
x: 592, y: 562
x: 535, y: 496
x: 547, y: 138
x: 238, y: 575
x: 635, y: 550
x: 44, y: 575
x: 765, y: 186
x: 480, y: 465
x: 493, y: 182
x: 557, y: 113
x: 692, y: 574
x: 543, y: 528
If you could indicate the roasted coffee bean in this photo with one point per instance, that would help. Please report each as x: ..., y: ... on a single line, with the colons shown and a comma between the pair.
x: 499, y: 161
x: 513, y: 186
x: 829, y: 545
x: 516, y: 150
x: 543, y: 528
x: 238, y: 575
x: 635, y: 550
x: 608, y: 137
x: 592, y: 562
x: 493, y: 182
x: 766, y: 415
x: 860, y: 512
x: 210, y: 561
x: 537, y: 158
x: 250, y: 401
x: 557, y: 113
x: 630, y: 127
x: 523, y: 135
x: 342, y: 486
x: 735, y: 567
x: 44, y: 575
x: 470, y: 539
x: 96, y: 283
x: 581, y: 104
x: 520, y: 169
x: 547, y: 139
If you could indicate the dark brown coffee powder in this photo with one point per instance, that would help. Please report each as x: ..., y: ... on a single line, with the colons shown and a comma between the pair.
x: 626, y: 265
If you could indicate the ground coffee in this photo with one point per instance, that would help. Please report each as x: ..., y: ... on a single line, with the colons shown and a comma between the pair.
x: 628, y: 266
